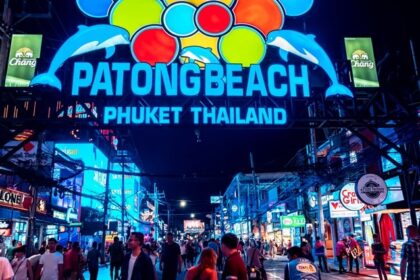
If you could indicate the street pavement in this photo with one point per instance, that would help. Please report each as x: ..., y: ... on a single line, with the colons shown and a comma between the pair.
x: 275, y: 270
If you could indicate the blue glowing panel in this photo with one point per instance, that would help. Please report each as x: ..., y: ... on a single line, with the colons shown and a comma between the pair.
x: 395, y: 193
x: 386, y: 164
x: 94, y: 181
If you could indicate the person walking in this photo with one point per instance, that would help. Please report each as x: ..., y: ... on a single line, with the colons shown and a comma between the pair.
x: 72, y: 262
x: 137, y: 265
x: 51, y: 262
x: 116, y: 254
x: 354, y: 253
x: 93, y: 257
x: 254, y: 257
x: 234, y: 264
x: 206, y: 267
x: 410, y: 255
x: 378, y: 251
x: 170, y: 260
x: 10, y: 250
x: 6, y: 271
x: 300, y: 267
x: 22, y: 267
x: 340, y: 252
x: 320, y: 253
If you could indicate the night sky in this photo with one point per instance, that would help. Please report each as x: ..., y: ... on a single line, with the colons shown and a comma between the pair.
x: 193, y: 168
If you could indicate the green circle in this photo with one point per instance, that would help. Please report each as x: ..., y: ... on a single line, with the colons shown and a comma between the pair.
x: 243, y: 45
x: 134, y: 15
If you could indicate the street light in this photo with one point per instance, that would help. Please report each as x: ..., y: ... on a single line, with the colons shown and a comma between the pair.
x: 182, y: 203
x: 192, y: 215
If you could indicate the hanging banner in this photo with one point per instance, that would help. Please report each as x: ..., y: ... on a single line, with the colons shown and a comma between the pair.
x: 360, y: 53
x: 24, y: 51
x: 19, y: 200
x: 349, y: 198
x: 293, y: 221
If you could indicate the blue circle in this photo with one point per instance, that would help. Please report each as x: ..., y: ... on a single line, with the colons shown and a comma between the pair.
x: 95, y: 9
x: 178, y: 19
x: 296, y: 7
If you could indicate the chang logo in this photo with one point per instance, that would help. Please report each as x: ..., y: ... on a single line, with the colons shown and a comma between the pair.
x: 23, y: 57
x: 360, y: 59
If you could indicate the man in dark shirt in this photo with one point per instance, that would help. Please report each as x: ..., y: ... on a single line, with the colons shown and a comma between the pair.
x: 410, y: 255
x: 170, y: 260
x: 234, y: 266
x: 300, y: 267
x: 137, y: 265
x: 116, y: 254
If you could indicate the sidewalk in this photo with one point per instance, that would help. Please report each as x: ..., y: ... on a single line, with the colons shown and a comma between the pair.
x: 365, y: 272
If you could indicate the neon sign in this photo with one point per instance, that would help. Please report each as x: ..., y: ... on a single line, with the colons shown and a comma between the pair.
x: 193, y: 48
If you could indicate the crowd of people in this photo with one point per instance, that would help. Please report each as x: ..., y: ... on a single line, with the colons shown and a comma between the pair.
x: 202, y: 259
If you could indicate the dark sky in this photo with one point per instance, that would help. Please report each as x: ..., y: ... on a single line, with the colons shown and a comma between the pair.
x: 194, y: 170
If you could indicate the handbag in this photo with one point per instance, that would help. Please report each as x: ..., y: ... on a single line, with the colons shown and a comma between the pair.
x: 253, y: 271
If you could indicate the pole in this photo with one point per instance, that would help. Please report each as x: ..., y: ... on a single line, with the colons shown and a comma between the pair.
x: 311, y: 113
x: 106, y: 202
x: 254, y: 182
x: 156, y: 202
x: 416, y: 70
x: 34, y: 195
x: 123, y: 195
x: 5, y: 42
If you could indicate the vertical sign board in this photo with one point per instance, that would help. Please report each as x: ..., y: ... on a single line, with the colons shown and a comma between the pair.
x: 24, y: 51
x: 360, y: 53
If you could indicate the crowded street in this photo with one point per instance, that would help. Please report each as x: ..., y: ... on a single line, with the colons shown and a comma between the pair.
x: 209, y: 140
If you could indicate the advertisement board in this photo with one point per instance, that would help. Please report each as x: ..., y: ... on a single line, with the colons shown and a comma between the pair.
x: 25, y: 49
x: 337, y: 210
x: 371, y: 189
x: 292, y: 221
x: 360, y: 53
x: 5, y: 228
x: 19, y: 200
x: 192, y: 49
x: 193, y: 226
x: 216, y: 199
x: 349, y: 198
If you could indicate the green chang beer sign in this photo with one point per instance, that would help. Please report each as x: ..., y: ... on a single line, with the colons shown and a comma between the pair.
x: 292, y: 221
x: 360, y: 53
x: 24, y: 51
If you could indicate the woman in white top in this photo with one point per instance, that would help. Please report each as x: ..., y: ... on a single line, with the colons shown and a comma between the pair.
x: 21, y: 265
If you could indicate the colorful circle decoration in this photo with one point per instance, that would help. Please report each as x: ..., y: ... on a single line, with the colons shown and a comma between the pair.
x: 154, y: 45
x: 179, y: 19
x: 232, y: 30
x: 214, y: 18
x: 243, y: 45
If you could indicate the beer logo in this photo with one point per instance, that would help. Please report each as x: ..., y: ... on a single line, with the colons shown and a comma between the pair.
x: 371, y: 189
x: 306, y: 268
x: 360, y: 59
x: 23, y: 57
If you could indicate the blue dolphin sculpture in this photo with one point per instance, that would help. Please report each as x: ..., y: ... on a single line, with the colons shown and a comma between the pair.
x: 87, y: 39
x: 305, y: 46
x: 200, y: 54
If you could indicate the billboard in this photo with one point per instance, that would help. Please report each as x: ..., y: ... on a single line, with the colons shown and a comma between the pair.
x: 360, y: 53
x: 189, y: 49
x: 24, y: 51
x: 193, y: 226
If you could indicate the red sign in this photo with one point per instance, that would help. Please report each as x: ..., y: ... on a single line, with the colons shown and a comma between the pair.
x: 349, y: 198
x: 5, y: 228
x: 20, y: 200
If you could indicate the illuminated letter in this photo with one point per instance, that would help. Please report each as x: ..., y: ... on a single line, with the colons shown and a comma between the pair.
x: 78, y: 81
x: 164, y: 115
x: 231, y: 80
x: 120, y: 68
x: 302, y: 80
x: 177, y: 111
x: 124, y: 113
x: 170, y: 84
x: 272, y: 70
x: 110, y: 113
x: 148, y: 76
x: 196, y: 112
x: 217, y: 79
x: 103, y: 80
x: 255, y: 72
x: 280, y: 116
x: 194, y: 79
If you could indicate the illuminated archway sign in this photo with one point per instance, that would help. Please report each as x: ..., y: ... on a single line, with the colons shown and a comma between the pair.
x: 189, y: 49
